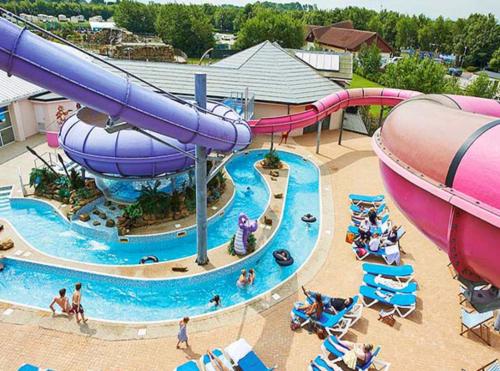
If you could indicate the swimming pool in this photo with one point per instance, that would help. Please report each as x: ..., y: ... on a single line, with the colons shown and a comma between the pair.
x: 133, y: 300
x: 33, y: 219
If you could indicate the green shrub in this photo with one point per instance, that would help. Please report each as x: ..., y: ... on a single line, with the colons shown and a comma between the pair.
x: 152, y: 201
x: 133, y: 211
x: 40, y: 179
x: 230, y: 247
x: 272, y: 160
x: 251, y: 243
x: 175, y: 201
x: 76, y: 180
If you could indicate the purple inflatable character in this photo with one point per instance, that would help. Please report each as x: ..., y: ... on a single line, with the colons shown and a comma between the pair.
x: 245, y: 227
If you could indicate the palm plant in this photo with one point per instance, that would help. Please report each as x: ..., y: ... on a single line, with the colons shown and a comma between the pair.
x: 153, y: 201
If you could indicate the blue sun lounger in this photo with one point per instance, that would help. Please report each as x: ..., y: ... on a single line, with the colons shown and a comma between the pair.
x: 365, y: 199
x: 407, y: 288
x: 328, y: 348
x: 353, y: 311
x: 244, y: 357
x: 188, y: 366
x: 319, y: 364
x: 333, y: 323
x: 207, y: 365
x: 402, y: 273
x: 403, y: 304
x: 29, y: 367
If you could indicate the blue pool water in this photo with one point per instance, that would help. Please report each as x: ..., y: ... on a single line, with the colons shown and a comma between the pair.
x: 34, y: 219
x: 123, y: 299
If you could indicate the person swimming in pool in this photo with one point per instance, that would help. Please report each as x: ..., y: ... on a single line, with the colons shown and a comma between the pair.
x: 215, y: 301
x: 62, y: 301
x: 251, y: 276
x: 243, y: 279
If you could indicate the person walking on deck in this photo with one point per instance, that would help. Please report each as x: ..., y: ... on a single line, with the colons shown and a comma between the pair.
x: 182, y: 336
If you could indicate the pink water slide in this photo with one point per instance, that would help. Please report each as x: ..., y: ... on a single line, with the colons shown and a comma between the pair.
x: 439, y: 160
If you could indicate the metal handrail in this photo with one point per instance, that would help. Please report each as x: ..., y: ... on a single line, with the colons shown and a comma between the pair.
x: 102, y: 60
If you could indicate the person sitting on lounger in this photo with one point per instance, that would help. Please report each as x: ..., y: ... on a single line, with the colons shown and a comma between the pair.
x: 330, y: 305
x: 364, y: 229
x: 374, y: 244
x: 362, y: 351
x: 372, y: 216
x: 391, y: 238
x: 314, y: 310
x: 216, y: 363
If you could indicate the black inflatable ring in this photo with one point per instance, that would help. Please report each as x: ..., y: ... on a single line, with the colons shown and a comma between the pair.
x: 284, y: 263
x: 151, y: 258
x: 308, y: 218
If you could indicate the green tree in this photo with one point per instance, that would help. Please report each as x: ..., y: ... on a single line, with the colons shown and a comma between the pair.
x: 273, y: 26
x: 495, y: 61
x: 407, y: 32
x: 412, y: 73
x: 369, y: 61
x: 135, y: 16
x: 186, y: 28
x: 477, y: 38
x: 482, y: 87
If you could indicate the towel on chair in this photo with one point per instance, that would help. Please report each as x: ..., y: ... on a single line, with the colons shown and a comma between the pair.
x: 350, y: 359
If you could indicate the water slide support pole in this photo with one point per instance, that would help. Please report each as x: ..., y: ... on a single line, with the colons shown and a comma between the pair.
x: 318, y: 136
x: 341, y: 127
x: 200, y: 81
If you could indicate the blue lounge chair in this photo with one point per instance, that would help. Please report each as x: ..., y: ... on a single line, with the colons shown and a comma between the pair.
x: 207, y: 365
x: 473, y: 321
x: 358, y: 199
x: 353, y: 311
x: 334, y: 324
x: 319, y: 364
x: 241, y: 354
x: 188, y: 366
x: 492, y: 366
x: 402, y: 273
x: 328, y: 348
x: 29, y: 367
x: 403, y: 304
x: 406, y: 288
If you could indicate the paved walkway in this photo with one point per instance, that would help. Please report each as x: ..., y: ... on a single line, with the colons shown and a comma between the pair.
x: 427, y: 340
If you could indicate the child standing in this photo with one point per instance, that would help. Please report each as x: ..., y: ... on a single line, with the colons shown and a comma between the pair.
x: 182, y: 335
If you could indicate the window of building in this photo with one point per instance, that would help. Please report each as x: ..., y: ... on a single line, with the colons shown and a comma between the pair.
x: 6, y: 129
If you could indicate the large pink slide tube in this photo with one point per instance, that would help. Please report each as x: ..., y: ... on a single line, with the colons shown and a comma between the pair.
x: 440, y: 164
x: 46, y: 64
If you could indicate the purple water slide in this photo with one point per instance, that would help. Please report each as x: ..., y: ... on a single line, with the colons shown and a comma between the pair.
x: 44, y: 63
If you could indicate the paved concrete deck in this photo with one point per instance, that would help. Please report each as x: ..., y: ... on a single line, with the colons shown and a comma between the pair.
x: 427, y: 340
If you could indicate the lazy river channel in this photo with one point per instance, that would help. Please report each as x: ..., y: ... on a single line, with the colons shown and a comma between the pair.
x: 149, y: 300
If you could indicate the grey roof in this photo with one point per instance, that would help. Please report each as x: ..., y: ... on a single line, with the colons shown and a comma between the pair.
x: 269, y: 72
x: 13, y: 88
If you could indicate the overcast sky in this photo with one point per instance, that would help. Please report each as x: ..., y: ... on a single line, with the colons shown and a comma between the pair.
x: 432, y: 8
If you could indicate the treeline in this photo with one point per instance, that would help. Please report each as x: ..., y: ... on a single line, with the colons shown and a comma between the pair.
x: 56, y: 7
x: 475, y: 38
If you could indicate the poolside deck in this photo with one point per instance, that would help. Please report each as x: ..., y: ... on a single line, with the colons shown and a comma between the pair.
x: 427, y: 340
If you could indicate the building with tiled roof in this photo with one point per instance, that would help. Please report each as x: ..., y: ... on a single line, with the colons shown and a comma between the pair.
x: 343, y: 37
